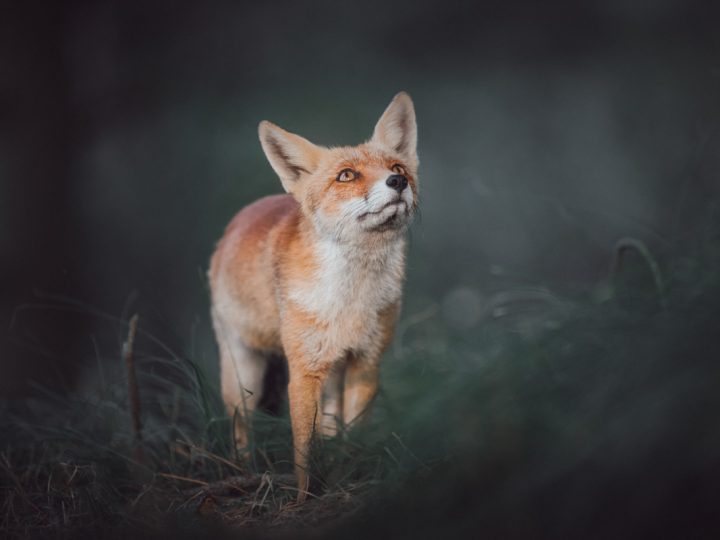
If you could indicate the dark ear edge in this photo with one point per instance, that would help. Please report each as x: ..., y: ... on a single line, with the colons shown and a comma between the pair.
x: 289, y: 155
x: 277, y: 150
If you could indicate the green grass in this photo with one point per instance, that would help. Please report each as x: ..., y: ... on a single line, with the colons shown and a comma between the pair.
x: 591, y: 412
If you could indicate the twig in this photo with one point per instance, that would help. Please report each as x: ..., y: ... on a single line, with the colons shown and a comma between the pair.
x: 133, y: 393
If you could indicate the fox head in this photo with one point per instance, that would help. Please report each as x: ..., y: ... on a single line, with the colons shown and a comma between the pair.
x: 352, y: 192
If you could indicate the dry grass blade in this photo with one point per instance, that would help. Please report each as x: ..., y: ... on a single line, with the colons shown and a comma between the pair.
x: 624, y: 245
x: 183, y: 479
x: 210, y: 455
x: 244, y: 484
x: 133, y: 392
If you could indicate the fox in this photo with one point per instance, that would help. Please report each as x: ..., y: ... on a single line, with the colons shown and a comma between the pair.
x: 315, y: 275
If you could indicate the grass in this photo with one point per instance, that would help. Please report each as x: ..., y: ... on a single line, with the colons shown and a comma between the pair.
x: 584, y: 413
x: 75, y: 462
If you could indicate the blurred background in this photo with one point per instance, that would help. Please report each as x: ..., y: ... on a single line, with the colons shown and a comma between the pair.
x: 128, y: 140
x: 547, y: 132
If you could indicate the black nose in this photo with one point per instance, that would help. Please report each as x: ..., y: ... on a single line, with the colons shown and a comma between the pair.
x: 397, y: 181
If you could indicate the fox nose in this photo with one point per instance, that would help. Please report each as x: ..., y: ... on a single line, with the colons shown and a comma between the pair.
x: 397, y: 181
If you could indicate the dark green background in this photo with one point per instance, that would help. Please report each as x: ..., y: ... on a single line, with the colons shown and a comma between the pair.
x: 547, y: 131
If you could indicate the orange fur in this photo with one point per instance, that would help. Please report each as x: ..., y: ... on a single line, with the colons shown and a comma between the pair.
x: 316, y: 275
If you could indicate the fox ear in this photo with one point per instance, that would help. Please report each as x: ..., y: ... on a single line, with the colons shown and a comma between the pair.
x: 397, y: 128
x: 290, y: 155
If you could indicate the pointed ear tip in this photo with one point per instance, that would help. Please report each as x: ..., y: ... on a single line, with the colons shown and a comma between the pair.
x: 402, y: 95
x: 264, y: 126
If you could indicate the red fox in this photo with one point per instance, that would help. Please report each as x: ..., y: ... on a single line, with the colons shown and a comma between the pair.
x: 316, y: 275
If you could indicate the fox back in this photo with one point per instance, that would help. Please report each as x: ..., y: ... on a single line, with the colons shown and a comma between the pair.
x: 316, y: 275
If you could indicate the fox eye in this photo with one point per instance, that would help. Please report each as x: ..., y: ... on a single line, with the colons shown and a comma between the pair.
x: 346, y: 175
x: 398, y: 169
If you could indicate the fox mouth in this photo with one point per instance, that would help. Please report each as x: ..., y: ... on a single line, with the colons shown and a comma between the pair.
x: 396, y: 203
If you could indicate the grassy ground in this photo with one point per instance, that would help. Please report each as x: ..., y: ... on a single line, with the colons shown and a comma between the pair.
x: 589, y: 412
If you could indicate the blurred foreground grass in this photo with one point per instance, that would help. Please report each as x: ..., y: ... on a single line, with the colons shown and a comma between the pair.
x: 579, y: 413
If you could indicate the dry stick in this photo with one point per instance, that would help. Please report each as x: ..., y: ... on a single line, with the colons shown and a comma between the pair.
x: 133, y: 393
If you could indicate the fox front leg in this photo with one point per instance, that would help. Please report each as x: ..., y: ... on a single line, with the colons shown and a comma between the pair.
x: 362, y: 371
x: 304, y: 394
x: 362, y: 379
x: 332, y: 401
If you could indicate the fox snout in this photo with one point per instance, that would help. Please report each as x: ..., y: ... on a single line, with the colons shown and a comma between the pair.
x: 389, y: 204
x: 398, y: 182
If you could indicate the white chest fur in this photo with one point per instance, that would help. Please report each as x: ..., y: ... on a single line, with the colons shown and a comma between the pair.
x: 349, y: 288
